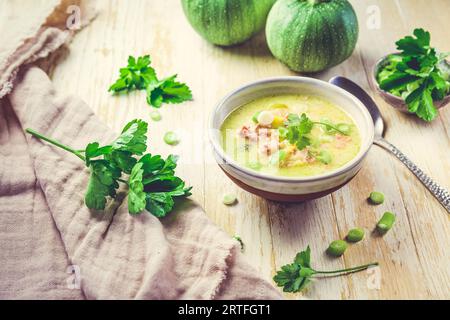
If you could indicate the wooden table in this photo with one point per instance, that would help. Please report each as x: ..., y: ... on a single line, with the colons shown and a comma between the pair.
x: 414, y: 256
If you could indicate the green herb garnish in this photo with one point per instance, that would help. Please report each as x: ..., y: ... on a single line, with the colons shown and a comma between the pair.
x: 299, y: 127
x: 167, y: 91
x: 416, y: 75
x: 139, y: 75
x: 238, y: 239
x: 296, y: 276
x: 152, y: 183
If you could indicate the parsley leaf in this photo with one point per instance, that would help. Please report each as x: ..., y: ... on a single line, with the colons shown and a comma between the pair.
x: 102, y: 184
x: 417, y: 74
x: 123, y: 160
x: 415, y: 46
x: 159, y: 203
x: 161, y: 185
x: 152, y: 163
x: 93, y: 150
x: 420, y: 102
x: 298, y: 130
x: 167, y: 91
x: 133, y: 138
x: 139, y: 75
x: 136, y: 195
x: 136, y: 76
x: 397, y: 81
x: 303, y: 258
x: 289, y: 278
x: 296, y: 276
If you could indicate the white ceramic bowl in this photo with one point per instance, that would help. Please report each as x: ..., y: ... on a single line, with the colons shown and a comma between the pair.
x: 291, y: 189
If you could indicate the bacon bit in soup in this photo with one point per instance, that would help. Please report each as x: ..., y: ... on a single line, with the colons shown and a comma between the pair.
x: 342, y: 141
x: 245, y: 132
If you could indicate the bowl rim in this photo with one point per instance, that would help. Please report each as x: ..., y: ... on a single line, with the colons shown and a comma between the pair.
x: 365, y: 147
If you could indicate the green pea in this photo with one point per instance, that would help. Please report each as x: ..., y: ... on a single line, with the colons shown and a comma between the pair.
x: 314, y: 143
x: 326, y: 139
x: 255, y: 117
x: 386, y: 222
x: 255, y: 165
x: 345, y: 128
x: 324, y: 157
x: 155, y: 116
x: 337, y: 248
x: 355, y: 235
x: 229, y: 199
x: 278, y: 157
x: 376, y: 197
x: 171, y: 138
x: 282, y: 132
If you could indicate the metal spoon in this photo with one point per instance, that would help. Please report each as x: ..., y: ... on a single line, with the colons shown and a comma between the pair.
x: 441, y: 194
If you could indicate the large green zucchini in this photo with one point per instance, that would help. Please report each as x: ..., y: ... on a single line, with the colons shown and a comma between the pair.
x: 227, y: 22
x: 312, y: 35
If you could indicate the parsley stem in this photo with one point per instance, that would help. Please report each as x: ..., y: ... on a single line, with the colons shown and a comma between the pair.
x: 331, y: 126
x: 349, y: 270
x: 56, y: 143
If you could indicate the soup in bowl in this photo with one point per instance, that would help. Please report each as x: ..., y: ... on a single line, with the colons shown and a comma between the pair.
x: 291, y: 138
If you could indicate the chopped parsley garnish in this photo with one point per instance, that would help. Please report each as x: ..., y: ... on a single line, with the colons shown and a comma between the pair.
x: 298, y: 129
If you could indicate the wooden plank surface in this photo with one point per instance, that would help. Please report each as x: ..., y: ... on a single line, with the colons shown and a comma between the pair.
x: 414, y: 256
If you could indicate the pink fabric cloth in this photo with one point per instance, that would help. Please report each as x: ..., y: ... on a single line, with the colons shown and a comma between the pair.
x: 30, y: 35
x: 53, y: 247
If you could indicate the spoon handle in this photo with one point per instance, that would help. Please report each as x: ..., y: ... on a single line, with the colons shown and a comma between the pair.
x: 441, y: 194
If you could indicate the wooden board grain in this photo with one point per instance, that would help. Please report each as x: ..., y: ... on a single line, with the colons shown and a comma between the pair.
x: 414, y: 256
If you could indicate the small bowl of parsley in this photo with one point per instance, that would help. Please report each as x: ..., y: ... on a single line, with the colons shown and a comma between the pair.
x: 416, y: 79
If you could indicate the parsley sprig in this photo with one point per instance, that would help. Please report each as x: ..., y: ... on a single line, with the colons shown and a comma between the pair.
x: 300, y: 127
x: 167, y: 91
x: 152, y: 184
x: 417, y: 74
x: 296, y: 276
x: 139, y: 75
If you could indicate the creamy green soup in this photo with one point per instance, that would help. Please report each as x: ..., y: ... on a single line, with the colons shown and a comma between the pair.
x: 290, y: 135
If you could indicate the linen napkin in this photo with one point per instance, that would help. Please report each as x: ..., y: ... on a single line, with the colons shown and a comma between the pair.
x: 52, y: 246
